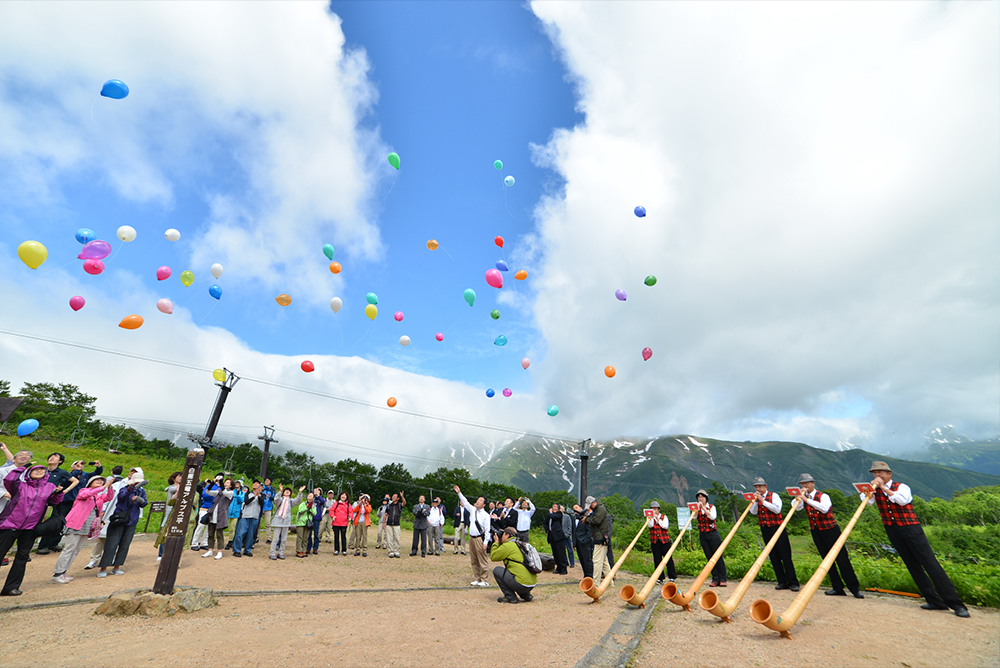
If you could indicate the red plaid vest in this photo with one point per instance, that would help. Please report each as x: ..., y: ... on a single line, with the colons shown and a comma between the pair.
x: 765, y: 517
x: 893, y: 513
x: 704, y: 523
x: 658, y: 534
x: 818, y: 520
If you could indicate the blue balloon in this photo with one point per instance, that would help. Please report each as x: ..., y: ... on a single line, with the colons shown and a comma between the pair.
x: 509, y: 181
x: 640, y: 211
x: 502, y: 266
x: 490, y: 393
x: 83, y: 235
x: 27, y: 427
x: 114, y: 89
x: 500, y: 340
x: 215, y: 291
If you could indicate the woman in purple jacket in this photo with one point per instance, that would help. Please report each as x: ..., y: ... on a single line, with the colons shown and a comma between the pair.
x: 30, y: 494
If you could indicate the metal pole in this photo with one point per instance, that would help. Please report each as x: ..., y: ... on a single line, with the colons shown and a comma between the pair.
x: 268, y: 439
x: 584, y: 456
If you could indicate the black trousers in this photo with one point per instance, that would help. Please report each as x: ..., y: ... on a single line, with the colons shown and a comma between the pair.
x: 118, y: 541
x: 509, y: 585
x: 24, y: 538
x: 585, y: 555
x: 781, y: 557
x: 710, y: 542
x: 51, y: 541
x: 824, y: 539
x: 419, y: 535
x: 912, y: 546
x: 660, y: 551
x: 559, y: 554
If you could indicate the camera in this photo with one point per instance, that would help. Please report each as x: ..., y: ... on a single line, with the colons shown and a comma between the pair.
x: 91, y: 463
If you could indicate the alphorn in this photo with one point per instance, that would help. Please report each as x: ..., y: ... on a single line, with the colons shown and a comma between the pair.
x: 670, y: 592
x: 709, y: 600
x: 628, y: 593
x: 587, y: 584
x: 762, y: 612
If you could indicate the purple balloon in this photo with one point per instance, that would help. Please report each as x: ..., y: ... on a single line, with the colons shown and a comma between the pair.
x: 620, y: 294
x: 507, y: 392
x: 95, y: 250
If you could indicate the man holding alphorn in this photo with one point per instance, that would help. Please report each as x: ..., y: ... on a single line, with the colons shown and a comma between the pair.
x: 825, y: 532
x: 708, y: 535
x: 767, y: 507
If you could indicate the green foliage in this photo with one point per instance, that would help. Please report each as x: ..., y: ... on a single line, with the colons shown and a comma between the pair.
x: 543, y: 503
x: 4, y: 388
x: 620, y: 508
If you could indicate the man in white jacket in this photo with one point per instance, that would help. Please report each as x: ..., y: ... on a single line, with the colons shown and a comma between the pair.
x: 435, y: 522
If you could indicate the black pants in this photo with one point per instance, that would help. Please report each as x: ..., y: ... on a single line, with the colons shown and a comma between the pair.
x: 419, y: 536
x: 339, y: 539
x: 824, y: 539
x: 781, y: 557
x: 52, y: 540
x: 710, y: 542
x: 117, y: 543
x: 24, y: 538
x: 559, y: 554
x: 659, y: 551
x: 585, y: 555
x: 912, y: 546
x: 509, y: 585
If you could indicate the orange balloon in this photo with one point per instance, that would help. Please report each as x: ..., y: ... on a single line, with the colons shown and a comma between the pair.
x: 609, y: 371
x: 335, y: 267
x: 521, y: 275
x: 131, y: 322
x: 391, y: 402
x: 283, y: 299
x: 432, y: 244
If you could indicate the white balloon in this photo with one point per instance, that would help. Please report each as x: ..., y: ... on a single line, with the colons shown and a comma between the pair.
x: 217, y: 270
x: 404, y: 340
x: 126, y: 233
x: 336, y: 304
x: 172, y: 234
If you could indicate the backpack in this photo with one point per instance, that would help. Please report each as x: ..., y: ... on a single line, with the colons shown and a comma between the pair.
x: 530, y: 555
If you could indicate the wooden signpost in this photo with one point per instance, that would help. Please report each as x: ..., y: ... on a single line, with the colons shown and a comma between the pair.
x: 173, y: 546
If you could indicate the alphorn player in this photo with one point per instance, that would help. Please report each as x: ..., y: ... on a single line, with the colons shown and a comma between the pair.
x: 708, y: 534
x: 895, y: 505
x: 767, y: 507
x: 825, y: 532
x: 659, y: 540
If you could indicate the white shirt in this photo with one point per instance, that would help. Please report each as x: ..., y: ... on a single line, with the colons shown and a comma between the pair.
x: 774, y: 505
x: 900, y: 497
x: 711, y: 512
x: 4, y: 470
x: 436, y: 518
x: 662, y: 520
x: 476, y: 514
x: 524, y: 517
x: 822, y: 503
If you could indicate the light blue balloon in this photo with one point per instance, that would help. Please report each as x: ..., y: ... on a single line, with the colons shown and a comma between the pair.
x: 27, y: 427
x: 502, y: 266
x: 553, y: 411
x: 83, y: 235
x: 509, y: 181
x: 215, y: 291
x: 114, y: 89
x: 498, y: 164
x: 470, y: 296
x: 490, y: 393
x: 500, y: 340
x: 372, y: 298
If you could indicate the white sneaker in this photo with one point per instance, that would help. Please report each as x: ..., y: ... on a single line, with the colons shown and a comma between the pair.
x: 102, y: 574
x: 93, y: 563
x: 218, y: 555
x: 159, y: 559
x: 60, y: 579
x: 474, y: 583
x: 207, y: 554
x: 118, y: 571
x: 484, y: 584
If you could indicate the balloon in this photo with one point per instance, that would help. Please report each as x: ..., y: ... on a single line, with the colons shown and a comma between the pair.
x: 163, y: 273
x: 215, y: 291
x: 336, y: 303
x: 398, y: 315
x: 371, y: 298
x: 650, y: 280
x: 27, y: 427
x: 131, y: 322
x: 217, y: 270
x: 32, y: 253
x: 439, y: 336
x: 494, y: 278
x: 490, y: 393
x: 76, y: 303
x: 646, y: 354
x: 507, y: 392
x: 394, y: 160
x: 187, y: 278
x: 525, y: 363
x: 640, y: 212
x: 126, y: 233
x: 219, y: 375
x: 328, y: 251
x: 404, y: 340
x: 391, y: 402
x: 93, y: 267
x: 470, y: 296
x: 621, y: 296
x: 521, y: 275
x: 308, y: 366
x: 500, y: 340
x: 609, y: 371
x: 172, y: 235
x: 283, y: 299
x: 83, y: 235
x: 114, y: 89
x: 95, y: 250
x: 495, y: 314
x: 432, y: 244
x: 553, y: 410
x: 335, y: 267
x: 165, y: 306
x: 498, y: 165
x: 498, y: 241
x: 509, y: 181
x: 502, y: 266
x: 371, y: 311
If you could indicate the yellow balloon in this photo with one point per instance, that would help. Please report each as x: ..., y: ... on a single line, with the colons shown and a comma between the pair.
x: 371, y: 311
x: 219, y: 375
x: 432, y: 244
x: 32, y: 253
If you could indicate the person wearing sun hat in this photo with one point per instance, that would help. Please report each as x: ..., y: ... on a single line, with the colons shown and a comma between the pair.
x: 129, y: 502
x: 659, y: 541
x: 895, y: 505
x: 708, y: 535
x: 767, y: 508
x: 825, y: 532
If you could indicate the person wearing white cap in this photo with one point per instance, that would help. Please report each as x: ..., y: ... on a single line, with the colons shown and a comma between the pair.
x: 825, y: 532
x: 595, y: 516
x: 767, y: 508
x: 659, y: 541
x: 130, y: 500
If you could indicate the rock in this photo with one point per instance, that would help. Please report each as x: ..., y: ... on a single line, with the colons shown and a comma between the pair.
x: 153, y: 605
x: 189, y: 600
x: 147, y: 603
x: 118, y: 605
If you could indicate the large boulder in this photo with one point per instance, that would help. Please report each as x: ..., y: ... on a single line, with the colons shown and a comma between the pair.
x: 148, y: 604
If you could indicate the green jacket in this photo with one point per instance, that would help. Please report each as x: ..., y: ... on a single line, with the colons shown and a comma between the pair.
x: 510, y: 554
x: 304, y: 514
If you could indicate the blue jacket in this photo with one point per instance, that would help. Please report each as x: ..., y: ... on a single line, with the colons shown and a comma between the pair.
x: 236, y: 503
x: 125, y: 495
x: 320, y: 505
x: 207, y: 500
x: 268, y: 496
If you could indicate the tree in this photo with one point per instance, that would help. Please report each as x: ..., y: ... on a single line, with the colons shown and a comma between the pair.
x: 392, y: 478
x: 58, y: 409
x: 726, y: 502
x: 4, y: 388
x: 620, y: 507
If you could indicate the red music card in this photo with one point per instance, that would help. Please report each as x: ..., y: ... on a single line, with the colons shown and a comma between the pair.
x: 793, y: 491
x: 864, y: 487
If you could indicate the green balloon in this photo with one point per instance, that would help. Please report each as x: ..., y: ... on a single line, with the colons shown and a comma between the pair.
x: 495, y: 314
x: 650, y: 281
x: 553, y: 411
x: 470, y: 296
x: 371, y: 298
x: 498, y: 164
x: 328, y: 251
x: 394, y: 160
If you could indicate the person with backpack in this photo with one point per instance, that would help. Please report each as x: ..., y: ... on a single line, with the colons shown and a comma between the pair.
x: 514, y: 578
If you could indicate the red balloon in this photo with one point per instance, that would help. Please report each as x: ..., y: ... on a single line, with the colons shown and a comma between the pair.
x: 499, y: 241
x: 308, y: 366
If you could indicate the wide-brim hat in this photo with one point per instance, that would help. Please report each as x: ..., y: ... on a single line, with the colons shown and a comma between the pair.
x: 701, y: 492
x: 135, y: 478
x: 759, y: 481
x: 97, y: 477
x: 879, y: 466
x: 589, y: 500
x: 654, y: 504
x: 805, y: 477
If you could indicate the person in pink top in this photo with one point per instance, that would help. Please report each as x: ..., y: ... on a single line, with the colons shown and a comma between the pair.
x: 340, y: 511
x: 83, y: 519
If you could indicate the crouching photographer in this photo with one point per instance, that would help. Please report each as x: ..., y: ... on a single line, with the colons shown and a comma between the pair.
x: 513, y: 578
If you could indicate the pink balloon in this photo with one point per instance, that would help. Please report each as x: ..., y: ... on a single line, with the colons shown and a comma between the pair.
x: 494, y: 278
x: 163, y: 273
x: 165, y: 306
x: 439, y: 336
x: 525, y: 363
x: 398, y: 316
x: 646, y: 354
x: 76, y: 303
x: 95, y: 250
x: 93, y: 267
x: 507, y: 392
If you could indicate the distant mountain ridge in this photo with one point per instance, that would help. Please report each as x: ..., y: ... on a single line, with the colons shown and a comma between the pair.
x: 944, y: 445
